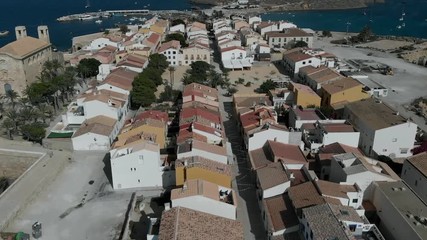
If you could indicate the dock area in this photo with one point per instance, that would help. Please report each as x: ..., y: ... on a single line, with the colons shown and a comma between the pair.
x: 110, y: 13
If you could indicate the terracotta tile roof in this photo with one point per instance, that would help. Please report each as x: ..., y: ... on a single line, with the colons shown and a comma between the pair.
x: 141, y: 144
x: 332, y: 189
x: 196, y: 104
x: 296, y: 56
x: 209, y: 148
x: 121, y: 78
x: 303, y: 89
x: 254, y: 119
x: 339, y: 148
x: 289, y: 32
x: 299, y: 176
x: 196, y: 187
x: 108, y: 48
x: 186, y: 134
x: 207, y: 129
x: 227, y: 49
x: 153, y: 114
x: 272, y: 175
x: 419, y: 161
x: 154, y: 38
x: 323, y: 223
x: 24, y: 47
x: 280, y: 213
x: 186, y: 224
x: 117, y: 99
x: 305, y: 195
x: 275, y: 151
x: 204, y: 163
x: 198, y: 25
x: 133, y: 60
x: 309, y: 70
x: 197, y: 113
x: 307, y: 114
x: 200, y: 88
x: 341, y: 85
x: 168, y: 45
x: 337, y: 127
x: 325, y: 76
x: 101, y: 125
x: 250, y: 101
x: 265, y: 24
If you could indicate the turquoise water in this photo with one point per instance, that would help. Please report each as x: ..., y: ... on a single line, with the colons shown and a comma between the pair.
x: 385, y: 17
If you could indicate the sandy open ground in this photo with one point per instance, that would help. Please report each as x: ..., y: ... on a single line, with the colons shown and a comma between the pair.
x: 385, y: 44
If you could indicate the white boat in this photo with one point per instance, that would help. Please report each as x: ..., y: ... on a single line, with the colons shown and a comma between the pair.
x: 403, y: 24
x: 87, y: 4
x: 132, y: 19
x: 4, y: 33
x: 399, y: 27
x: 87, y: 17
x: 99, y: 21
x: 401, y: 18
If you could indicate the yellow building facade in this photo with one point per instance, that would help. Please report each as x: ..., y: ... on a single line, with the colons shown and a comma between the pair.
x: 304, y: 96
x: 340, y: 92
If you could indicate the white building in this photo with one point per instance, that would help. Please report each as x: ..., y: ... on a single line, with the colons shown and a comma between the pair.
x: 265, y: 27
x: 257, y: 137
x: 254, y: 19
x: 319, y: 134
x: 235, y: 58
x: 401, y: 211
x: 177, y: 28
x: 198, y: 148
x: 207, y: 197
x: 171, y: 50
x: 294, y: 60
x: 288, y: 37
x: 119, y: 80
x: 350, y: 168
x: 414, y: 173
x: 96, y: 133
x: 137, y: 164
x: 102, y: 42
x: 383, y: 131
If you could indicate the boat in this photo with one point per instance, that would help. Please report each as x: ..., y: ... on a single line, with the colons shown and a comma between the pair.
x: 99, y: 21
x: 87, y: 4
x: 403, y: 24
x: 401, y: 18
x: 87, y: 17
x: 399, y: 27
x: 132, y: 19
x: 4, y: 33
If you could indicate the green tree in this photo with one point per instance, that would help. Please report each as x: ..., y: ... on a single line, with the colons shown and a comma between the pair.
x: 231, y: 90
x: 178, y: 37
x: 153, y: 74
x: 168, y: 94
x: 88, y: 67
x: 142, y: 93
x: 12, y: 97
x: 365, y: 35
x: 159, y: 62
x: 267, y: 86
x: 124, y: 28
x: 177, y: 22
x: 300, y: 44
x: 326, y: 33
x: 33, y: 132
x: 9, y: 125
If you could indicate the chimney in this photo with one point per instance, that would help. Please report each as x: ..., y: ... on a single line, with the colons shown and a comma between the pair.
x: 43, y: 33
x: 260, y: 122
x: 21, y: 32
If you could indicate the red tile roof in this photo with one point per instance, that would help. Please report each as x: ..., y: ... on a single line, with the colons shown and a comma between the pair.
x: 154, y: 38
x: 232, y: 48
x: 153, y: 114
x: 171, y: 44
x: 251, y: 120
x: 121, y: 78
x: 197, y: 113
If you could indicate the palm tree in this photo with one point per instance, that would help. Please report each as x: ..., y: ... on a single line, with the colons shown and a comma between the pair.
x: 9, y: 125
x: 13, y: 115
x: 45, y: 111
x: 28, y: 114
x: 12, y: 96
x: 172, y: 75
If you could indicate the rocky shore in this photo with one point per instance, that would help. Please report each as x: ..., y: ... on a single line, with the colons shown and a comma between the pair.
x: 298, y: 5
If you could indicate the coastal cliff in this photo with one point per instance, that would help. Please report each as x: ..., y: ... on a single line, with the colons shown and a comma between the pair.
x: 295, y: 5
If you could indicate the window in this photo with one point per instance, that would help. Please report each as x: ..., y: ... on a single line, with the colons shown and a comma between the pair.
x: 403, y: 151
x: 384, y: 150
x: 303, y: 63
x: 394, y: 140
x: 139, y: 181
x: 404, y: 173
x: 7, y: 87
x: 311, y: 234
x: 416, y: 183
x: 280, y: 39
x: 309, y: 61
x: 355, y: 200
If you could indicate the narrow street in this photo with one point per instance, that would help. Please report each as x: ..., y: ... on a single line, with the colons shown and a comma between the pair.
x: 248, y: 212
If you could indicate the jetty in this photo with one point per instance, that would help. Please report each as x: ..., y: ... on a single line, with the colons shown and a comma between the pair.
x: 109, y: 13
